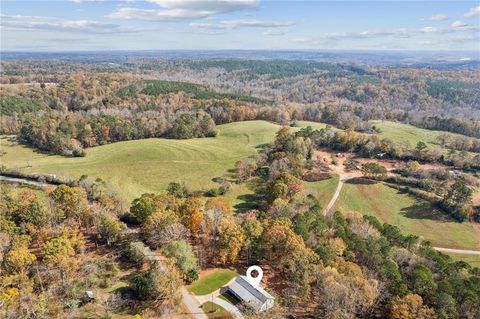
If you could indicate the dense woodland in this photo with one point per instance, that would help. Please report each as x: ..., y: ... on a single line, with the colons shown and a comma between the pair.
x: 130, y: 94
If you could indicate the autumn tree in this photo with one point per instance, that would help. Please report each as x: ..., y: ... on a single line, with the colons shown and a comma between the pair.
x: 218, y: 205
x: 286, y: 250
x: 194, y: 222
x: 245, y: 169
x: 252, y: 229
x: 26, y: 209
x: 155, y: 225
x: 184, y: 257
x: 143, y: 207
x: 19, y: 258
x: 410, y: 307
x: 70, y: 202
x: 159, y: 283
x: 110, y: 228
x: 230, y: 239
x: 345, y: 292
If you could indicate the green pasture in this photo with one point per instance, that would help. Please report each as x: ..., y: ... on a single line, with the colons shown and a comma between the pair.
x: 413, y: 216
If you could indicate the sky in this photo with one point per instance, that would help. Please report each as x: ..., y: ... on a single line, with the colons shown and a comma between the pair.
x: 93, y: 25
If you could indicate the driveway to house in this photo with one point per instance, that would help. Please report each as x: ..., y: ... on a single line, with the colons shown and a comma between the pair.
x: 228, y: 307
x: 194, y: 308
x: 214, y: 297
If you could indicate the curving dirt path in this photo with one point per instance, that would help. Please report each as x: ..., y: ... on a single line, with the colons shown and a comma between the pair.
x: 334, y: 197
x: 345, y: 176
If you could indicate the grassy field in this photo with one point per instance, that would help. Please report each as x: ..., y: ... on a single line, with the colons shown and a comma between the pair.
x: 324, y: 190
x: 408, y: 135
x: 211, y: 281
x: 411, y: 215
x: 135, y: 167
x: 401, y: 134
x: 473, y: 260
x: 132, y: 168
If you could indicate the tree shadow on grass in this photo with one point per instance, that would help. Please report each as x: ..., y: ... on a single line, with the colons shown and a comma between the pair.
x: 425, y: 211
x: 250, y: 201
x: 231, y: 174
x: 361, y: 181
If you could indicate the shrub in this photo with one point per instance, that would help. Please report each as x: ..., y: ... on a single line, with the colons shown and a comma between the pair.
x: 79, y: 153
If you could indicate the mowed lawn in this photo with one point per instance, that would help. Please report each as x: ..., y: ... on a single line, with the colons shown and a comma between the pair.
x: 411, y: 215
x: 134, y: 167
x: 212, y: 280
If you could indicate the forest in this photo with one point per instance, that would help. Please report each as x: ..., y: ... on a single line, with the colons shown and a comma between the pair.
x: 103, y: 104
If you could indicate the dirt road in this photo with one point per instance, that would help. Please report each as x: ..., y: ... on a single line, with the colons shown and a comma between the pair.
x: 458, y: 251
x: 345, y: 176
x: 334, y: 197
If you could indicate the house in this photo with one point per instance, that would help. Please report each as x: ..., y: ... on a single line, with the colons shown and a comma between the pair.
x: 254, y: 297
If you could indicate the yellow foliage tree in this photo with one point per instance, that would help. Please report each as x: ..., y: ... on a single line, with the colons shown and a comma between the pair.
x: 410, y: 307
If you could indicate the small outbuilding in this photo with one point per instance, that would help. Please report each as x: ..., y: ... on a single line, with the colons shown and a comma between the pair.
x: 88, y: 296
x: 254, y: 297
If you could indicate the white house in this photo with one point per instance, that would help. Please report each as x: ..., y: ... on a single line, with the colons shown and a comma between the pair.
x: 255, y: 297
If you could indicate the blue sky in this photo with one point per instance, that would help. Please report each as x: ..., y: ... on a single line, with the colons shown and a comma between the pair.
x: 239, y: 24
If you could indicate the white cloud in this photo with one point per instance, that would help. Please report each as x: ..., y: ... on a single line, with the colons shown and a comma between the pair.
x: 20, y: 22
x: 173, y: 10
x: 272, y: 32
x: 475, y: 11
x: 430, y: 30
x: 438, y: 17
x: 459, y: 24
x: 217, y: 6
x: 257, y: 23
x: 157, y: 15
x: 233, y: 24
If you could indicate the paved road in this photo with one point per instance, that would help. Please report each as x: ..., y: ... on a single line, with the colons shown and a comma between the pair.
x: 193, y: 306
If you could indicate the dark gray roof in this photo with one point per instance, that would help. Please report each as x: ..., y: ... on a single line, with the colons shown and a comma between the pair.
x: 253, y: 296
